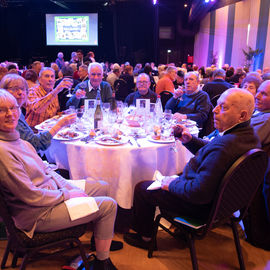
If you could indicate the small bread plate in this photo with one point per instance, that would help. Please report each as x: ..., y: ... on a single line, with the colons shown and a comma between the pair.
x: 107, y: 140
x: 161, y: 140
x: 69, y: 135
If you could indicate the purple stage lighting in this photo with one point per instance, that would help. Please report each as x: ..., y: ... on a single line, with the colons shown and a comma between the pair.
x: 206, y: 1
x: 154, y: 2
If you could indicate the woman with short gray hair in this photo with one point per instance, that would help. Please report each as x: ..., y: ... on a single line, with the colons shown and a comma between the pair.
x: 17, y: 86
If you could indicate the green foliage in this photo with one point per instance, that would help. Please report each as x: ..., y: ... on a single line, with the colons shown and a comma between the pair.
x: 250, y: 53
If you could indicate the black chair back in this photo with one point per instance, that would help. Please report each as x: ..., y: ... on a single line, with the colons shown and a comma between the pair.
x: 214, y: 100
x: 208, y: 125
x: 121, y: 89
x: 239, y: 186
x: 164, y: 97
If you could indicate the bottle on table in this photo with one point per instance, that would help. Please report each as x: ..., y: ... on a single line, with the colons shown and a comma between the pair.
x: 113, y: 105
x: 158, y: 108
x: 98, y: 116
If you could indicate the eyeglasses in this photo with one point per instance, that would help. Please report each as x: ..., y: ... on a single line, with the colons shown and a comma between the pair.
x: 13, y: 109
x: 142, y: 82
x: 16, y: 89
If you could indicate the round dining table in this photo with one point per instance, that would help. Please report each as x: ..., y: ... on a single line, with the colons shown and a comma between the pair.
x: 122, y: 166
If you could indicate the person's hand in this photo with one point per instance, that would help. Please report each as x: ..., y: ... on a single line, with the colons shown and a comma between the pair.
x: 66, y: 83
x: 80, y: 93
x: 186, y: 136
x: 178, y: 92
x: 67, y: 120
x: 179, y: 117
x: 166, y: 182
x: 75, y: 193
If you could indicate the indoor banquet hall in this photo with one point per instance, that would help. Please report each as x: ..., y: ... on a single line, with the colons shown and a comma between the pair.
x: 135, y: 134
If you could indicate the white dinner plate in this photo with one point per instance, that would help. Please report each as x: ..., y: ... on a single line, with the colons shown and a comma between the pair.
x: 46, y: 125
x: 169, y: 140
x: 62, y: 135
x: 188, y: 123
x: 105, y: 140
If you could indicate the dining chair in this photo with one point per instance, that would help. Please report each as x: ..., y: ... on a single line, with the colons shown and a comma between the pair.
x: 236, y: 192
x: 29, y: 248
x: 208, y: 125
x: 164, y: 97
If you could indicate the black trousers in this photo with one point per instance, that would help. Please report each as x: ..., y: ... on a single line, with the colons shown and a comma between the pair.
x: 145, y: 202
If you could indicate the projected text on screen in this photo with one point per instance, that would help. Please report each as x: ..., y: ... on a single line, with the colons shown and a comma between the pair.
x: 72, y: 29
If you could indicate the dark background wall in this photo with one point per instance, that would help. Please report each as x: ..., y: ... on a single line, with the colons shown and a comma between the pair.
x: 126, y: 31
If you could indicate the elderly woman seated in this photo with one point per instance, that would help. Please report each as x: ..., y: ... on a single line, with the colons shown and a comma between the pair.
x: 17, y: 86
x: 251, y: 83
x: 36, y: 196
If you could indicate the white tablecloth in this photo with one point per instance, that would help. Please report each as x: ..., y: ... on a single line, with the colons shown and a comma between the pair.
x: 121, y: 166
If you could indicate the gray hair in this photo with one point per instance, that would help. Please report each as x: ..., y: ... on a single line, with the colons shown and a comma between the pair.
x: 143, y: 74
x: 192, y: 73
x: 45, y: 69
x: 8, y: 78
x: 95, y: 64
x: 219, y: 73
x: 6, y: 97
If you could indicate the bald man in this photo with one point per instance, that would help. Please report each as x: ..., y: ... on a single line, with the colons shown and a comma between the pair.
x: 192, y: 192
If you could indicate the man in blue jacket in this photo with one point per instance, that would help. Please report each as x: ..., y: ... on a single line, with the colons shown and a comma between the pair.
x: 192, y: 192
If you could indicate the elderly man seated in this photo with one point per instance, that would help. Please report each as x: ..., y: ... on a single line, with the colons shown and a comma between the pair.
x: 192, y: 192
x: 166, y: 82
x: 43, y: 98
x: 190, y: 102
x: 144, y: 92
x: 36, y: 195
x: 217, y: 86
x: 88, y: 89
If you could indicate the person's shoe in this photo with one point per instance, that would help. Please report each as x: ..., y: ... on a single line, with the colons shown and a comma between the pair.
x: 134, y: 239
x: 103, y: 265
x: 115, y: 245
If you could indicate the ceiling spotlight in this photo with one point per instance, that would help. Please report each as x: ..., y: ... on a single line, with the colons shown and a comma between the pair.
x: 105, y: 4
x: 185, y: 5
x: 169, y: 51
x: 154, y: 2
x: 206, y: 1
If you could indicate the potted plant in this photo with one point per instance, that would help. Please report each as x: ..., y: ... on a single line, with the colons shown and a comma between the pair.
x: 250, y: 54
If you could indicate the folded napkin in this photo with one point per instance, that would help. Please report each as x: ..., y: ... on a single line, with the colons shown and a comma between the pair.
x: 158, y: 177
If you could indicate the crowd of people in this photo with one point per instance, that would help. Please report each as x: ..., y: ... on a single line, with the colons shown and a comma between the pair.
x: 230, y: 106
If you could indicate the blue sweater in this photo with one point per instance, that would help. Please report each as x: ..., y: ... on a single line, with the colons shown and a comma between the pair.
x: 40, y: 141
x: 196, y: 106
x: 203, y: 173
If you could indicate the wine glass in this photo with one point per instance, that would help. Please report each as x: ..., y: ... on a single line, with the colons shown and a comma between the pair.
x: 80, y: 112
x: 167, y: 115
x: 106, y: 107
x: 69, y: 93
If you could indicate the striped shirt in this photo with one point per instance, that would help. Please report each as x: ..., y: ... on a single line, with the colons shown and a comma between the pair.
x: 41, y: 106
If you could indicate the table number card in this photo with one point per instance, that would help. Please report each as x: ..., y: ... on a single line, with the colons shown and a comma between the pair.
x: 89, y: 104
x: 143, y: 104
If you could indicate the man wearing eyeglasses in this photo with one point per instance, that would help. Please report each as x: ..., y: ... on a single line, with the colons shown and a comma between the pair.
x: 143, y: 83
x: 88, y: 89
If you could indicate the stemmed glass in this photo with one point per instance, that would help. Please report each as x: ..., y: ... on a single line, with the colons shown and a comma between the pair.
x: 69, y: 93
x: 106, y: 108
x: 80, y: 112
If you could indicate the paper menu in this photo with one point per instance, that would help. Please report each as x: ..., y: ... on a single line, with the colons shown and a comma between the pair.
x: 81, y: 207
